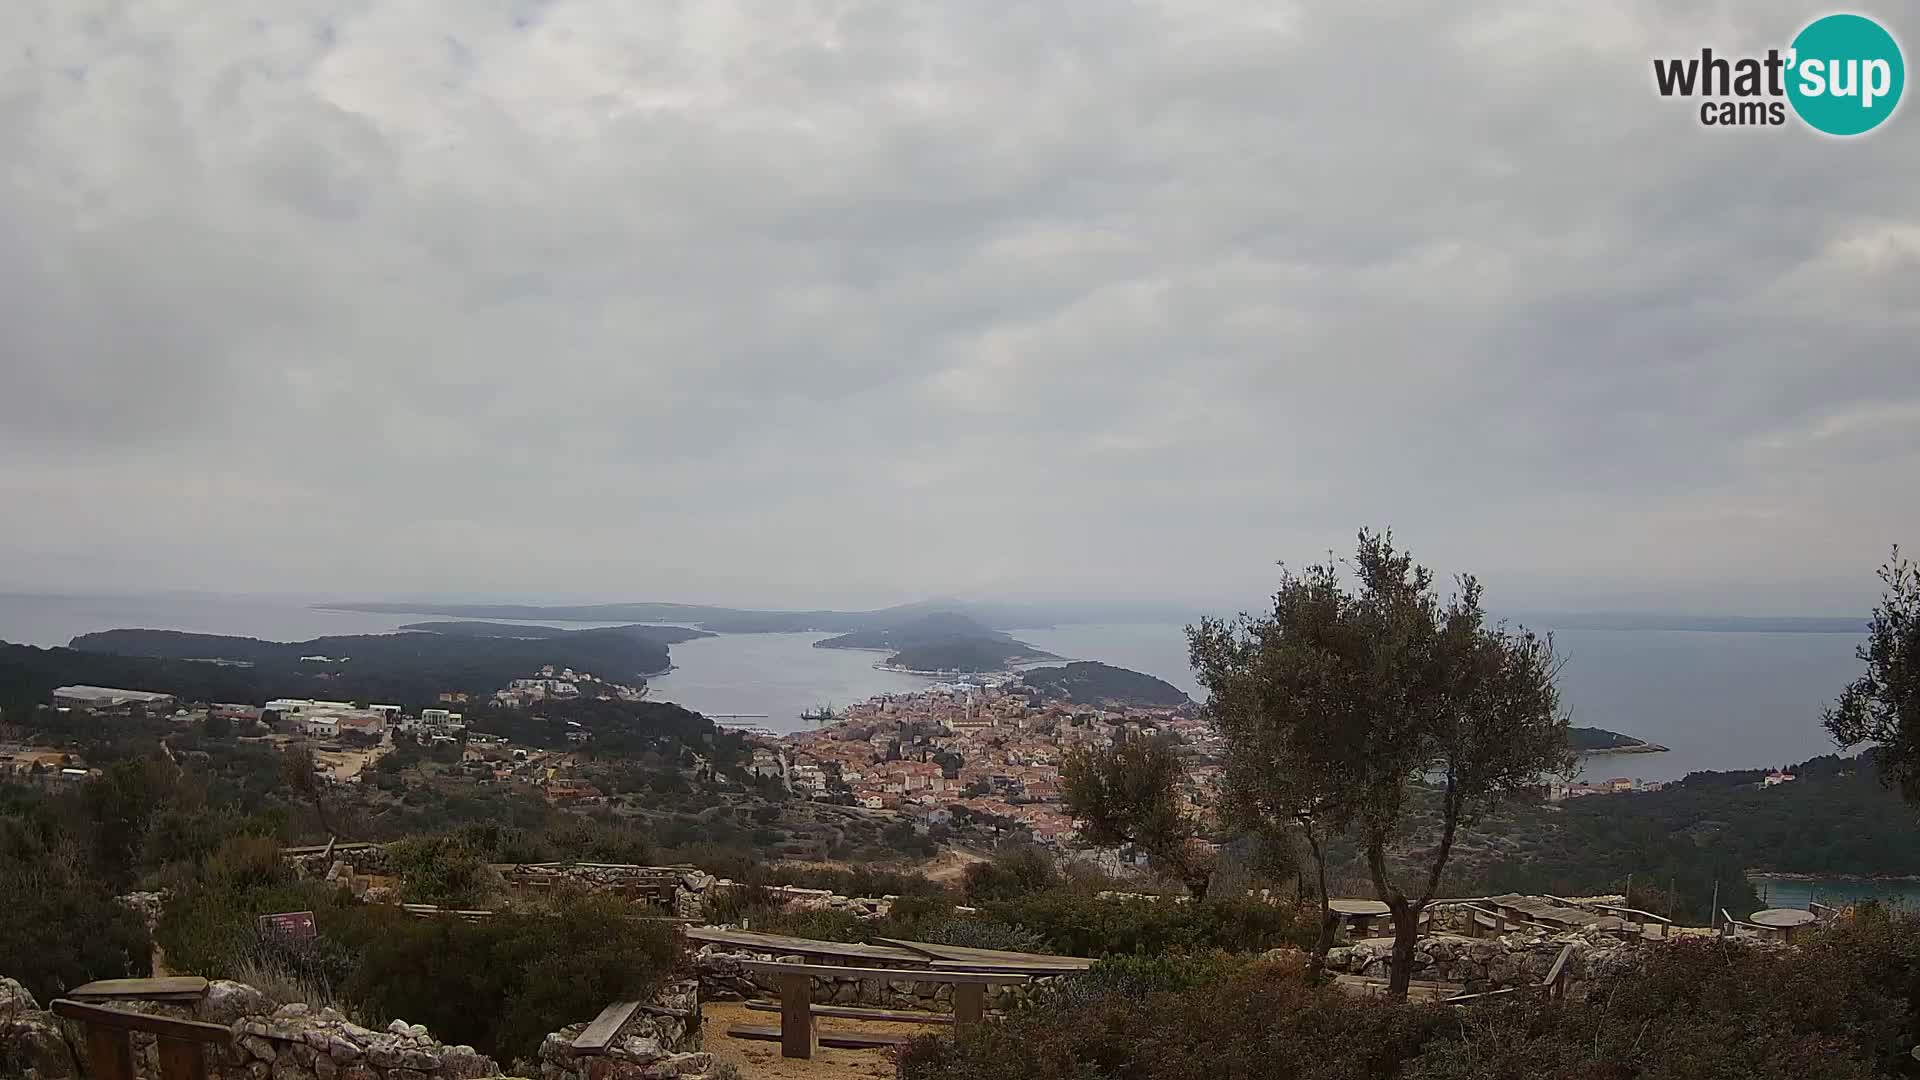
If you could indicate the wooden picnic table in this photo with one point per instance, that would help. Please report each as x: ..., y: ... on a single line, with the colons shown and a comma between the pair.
x: 782, y: 944
x: 1784, y: 920
x: 1359, y: 915
x: 797, y: 1033
x: 1540, y: 910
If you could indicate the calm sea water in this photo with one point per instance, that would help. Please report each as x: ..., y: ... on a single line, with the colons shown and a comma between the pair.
x: 779, y: 675
x: 1716, y: 700
x: 1836, y: 892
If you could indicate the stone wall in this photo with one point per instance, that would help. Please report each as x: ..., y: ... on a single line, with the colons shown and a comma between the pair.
x: 348, y: 864
x: 299, y: 1042
x: 723, y: 977
x: 1492, y: 963
x: 33, y: 1043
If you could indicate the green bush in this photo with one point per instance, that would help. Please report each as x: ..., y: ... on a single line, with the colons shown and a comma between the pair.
x: 501, y: 984
x: 442, y: 870
x: 1838, y: 1008
x: 974, y: 932
x: 1076, y: 924
x: 60, y: 926
x: 1010, y: 876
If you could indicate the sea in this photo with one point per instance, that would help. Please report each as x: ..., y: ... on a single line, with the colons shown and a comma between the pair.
x: 1716, y: 699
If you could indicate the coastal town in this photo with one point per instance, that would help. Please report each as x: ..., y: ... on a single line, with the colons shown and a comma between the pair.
x: 991, y: 748
x: 985, y: 749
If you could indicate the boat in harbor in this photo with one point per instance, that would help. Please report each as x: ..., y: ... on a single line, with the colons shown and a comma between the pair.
x: 822, y: 715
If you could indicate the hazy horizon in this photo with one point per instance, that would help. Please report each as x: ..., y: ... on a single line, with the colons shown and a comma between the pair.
x: 1087, y: 609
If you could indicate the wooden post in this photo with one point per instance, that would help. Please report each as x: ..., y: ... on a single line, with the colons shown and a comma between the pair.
x: 109, y: 1053
x: 181, y: 1059
x: 969, y: 1006
x: 796, y: 1016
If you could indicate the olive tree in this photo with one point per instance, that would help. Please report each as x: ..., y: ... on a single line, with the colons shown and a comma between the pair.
x: 1882, y: 706
x: 1132, y: 794
x: 1352, y: 708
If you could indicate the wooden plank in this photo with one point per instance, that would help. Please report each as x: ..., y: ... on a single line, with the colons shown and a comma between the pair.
x: 829, y: 971
x: 109, y: 1052
x: 796, y: 1016
x: 962, y: 954
x: 138, y: 989
x: 181, y: 1059
x: 599, y: 1034
x: 96, y: 1017
x: 854, y: 1012
x: 782, y: 943
x: 1036, y: 970
x: 1461, y: 999
x: 837, y: 1040
x: 1555, y: 981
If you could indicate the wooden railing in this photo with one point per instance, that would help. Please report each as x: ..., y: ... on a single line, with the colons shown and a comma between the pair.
x: 182, y: 1044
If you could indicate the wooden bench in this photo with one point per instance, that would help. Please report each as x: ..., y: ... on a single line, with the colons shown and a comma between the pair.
x: 599, y: 1034
x: 181, y: 1043
x: 797, y: 1033
x: 176, y: 988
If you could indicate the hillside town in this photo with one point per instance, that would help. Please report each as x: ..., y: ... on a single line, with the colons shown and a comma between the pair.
x: 990, y: 748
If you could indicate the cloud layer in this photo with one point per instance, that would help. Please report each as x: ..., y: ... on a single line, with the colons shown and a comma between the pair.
x: 850, y: 302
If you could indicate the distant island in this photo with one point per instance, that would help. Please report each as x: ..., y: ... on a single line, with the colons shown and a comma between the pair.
x: 1593, y: 740
x: 720, y: 620
x: 666, y: 635
x: 408, y: 668
x: 939, y: 643
x: 1091, y: 683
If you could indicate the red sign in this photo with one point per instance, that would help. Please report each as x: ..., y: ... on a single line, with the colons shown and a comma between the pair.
x: 288, y: 926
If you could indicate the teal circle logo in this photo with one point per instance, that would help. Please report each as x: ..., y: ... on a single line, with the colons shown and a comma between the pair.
x: 1846, y: 74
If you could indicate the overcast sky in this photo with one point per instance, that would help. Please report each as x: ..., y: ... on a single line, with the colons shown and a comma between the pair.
x: 850, y: 303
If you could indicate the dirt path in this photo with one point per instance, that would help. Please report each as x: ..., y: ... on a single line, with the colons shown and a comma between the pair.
x: 758, y: 1060
x: 951, y: 864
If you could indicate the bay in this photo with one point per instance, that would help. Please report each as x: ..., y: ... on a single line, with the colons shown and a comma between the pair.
x: 1718, y: 700
x: 773, y: 678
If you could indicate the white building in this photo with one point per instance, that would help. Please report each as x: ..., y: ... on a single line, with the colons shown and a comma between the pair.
x: 320, y: 727
x: 108, y: 697
x: 292, y: 707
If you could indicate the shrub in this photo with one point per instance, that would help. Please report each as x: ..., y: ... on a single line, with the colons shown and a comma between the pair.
x: 503, y: 983
x: 972, y: 932
x: 1840, y: 1008
x: 59, y: 926
x: 1010, y: 876
x: 1079, y: 925
x: 442, y: 870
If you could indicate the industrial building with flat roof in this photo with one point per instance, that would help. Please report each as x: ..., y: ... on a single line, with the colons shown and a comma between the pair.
x: 107, y: 697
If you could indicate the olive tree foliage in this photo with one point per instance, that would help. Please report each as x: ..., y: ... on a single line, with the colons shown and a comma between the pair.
x: 1882, y: 706
x: 1349, y: 707
x: 1130, y: 795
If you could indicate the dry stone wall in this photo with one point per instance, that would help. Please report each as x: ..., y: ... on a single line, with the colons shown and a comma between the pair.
x: 299, y: 1042
x: 1492, y: 963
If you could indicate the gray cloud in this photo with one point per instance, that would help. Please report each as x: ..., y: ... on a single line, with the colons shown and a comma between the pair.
x: 849, y: 302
